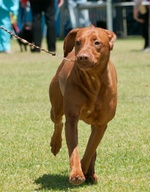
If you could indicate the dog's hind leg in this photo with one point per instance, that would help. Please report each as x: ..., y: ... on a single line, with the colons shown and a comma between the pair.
x: 56, y: 116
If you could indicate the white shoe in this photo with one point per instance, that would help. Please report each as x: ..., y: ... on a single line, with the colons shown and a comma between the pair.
x: 146, y: 49
x: 8, y: 52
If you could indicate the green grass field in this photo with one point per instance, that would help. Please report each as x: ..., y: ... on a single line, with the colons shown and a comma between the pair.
x: 26, y: 164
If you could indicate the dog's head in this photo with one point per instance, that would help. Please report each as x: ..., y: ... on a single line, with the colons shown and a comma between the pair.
x: 92, y: 46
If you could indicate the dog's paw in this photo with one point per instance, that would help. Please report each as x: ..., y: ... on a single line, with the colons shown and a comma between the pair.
x: 77, y: 179
x: 91, y: 178
x: 55, y: 144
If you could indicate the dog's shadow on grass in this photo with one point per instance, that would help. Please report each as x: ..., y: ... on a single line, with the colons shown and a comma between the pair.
x: 54, y: 182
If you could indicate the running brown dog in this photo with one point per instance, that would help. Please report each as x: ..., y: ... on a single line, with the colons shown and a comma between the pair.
x: 83, y: 88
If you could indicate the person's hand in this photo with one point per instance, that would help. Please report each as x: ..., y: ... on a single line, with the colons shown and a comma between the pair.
x: 135, y: 15
x: 60, y: 3
x: 13, y: 18
x: 139, y: 20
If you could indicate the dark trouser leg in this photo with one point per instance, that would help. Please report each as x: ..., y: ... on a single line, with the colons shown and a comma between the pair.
x: 51, y: 28
x: 145, y: 30
x: 36, y: 24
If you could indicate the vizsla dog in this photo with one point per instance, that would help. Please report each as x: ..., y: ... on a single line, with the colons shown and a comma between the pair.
x: 83, y: 88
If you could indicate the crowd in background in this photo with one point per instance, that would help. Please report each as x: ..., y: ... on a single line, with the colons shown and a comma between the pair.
x: 44, y: 15
x: 17, y: 13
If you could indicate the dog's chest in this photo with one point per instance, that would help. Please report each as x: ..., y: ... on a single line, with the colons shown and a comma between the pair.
x: 91, y: 109
x: 90, y: 85
x: 94, y: 90
x: 91, y: 115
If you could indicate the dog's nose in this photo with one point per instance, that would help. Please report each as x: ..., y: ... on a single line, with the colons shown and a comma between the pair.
x: 82, y: 57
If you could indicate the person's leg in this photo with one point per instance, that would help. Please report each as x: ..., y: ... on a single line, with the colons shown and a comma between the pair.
x: 36, y: 24
x: 73, y: 14
x: 84, y: 19
x: 4, y: 37
x: 145, y: 30
x: 50, y: 22
x: 149, y: 26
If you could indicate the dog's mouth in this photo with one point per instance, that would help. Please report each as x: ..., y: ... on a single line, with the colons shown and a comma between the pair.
x: 84, y: 68
x: 85, y: 65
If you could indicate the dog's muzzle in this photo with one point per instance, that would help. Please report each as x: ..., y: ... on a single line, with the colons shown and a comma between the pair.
x: 83, y: 61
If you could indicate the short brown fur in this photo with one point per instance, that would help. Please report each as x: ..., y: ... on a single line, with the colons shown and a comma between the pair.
x: 85, y: 89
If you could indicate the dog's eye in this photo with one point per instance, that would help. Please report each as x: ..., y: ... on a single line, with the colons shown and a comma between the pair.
x: 78, y: 43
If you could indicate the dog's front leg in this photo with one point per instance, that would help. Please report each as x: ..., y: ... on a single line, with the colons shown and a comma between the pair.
x: 88, y: 160
x: 76, y: 175
x: 56, y: 139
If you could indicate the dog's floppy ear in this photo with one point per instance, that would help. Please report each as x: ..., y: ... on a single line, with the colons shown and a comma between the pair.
x: 69, y: 41
x: 112, y: 37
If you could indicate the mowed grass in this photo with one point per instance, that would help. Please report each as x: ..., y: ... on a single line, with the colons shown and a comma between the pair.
x: 26, y: 164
